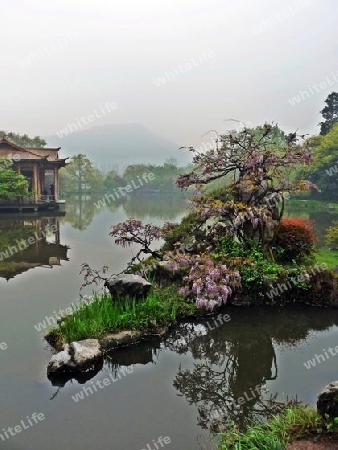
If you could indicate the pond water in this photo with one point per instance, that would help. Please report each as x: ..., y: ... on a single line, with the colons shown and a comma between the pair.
x: 177, y: 387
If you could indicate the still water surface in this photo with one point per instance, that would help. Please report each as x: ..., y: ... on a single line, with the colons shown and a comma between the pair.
x: 176, y: 384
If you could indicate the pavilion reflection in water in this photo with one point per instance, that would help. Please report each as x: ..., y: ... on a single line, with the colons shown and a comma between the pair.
x: 27, y: 242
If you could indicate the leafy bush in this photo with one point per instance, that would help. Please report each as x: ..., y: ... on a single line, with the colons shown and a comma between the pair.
x: 251, y: 263
x: 295, y: 239
x: 331, y: 237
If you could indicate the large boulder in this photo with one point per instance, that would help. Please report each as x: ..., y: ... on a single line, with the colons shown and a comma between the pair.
x: 327, y: 402
x: 78, y: 356
x: 128, y: 285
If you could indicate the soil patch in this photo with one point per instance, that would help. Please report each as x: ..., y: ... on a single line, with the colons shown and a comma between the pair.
x: 325, y: 443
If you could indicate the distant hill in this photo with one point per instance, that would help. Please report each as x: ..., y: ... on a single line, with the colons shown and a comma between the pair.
x: 109, y: 146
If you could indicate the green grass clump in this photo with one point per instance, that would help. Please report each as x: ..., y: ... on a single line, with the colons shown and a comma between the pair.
x: 294, y: 423
x: 103, y: 315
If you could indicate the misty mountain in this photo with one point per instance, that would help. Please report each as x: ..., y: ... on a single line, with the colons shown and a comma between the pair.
x: 112, y: 146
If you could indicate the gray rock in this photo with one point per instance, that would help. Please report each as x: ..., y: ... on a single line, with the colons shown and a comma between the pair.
x: 128, y: 285
x: 126, y: 338
x: 327, y: 402
x: 78, y: 356
x: 120, y: 339
x: 85, y: 353
x: 60, y: 360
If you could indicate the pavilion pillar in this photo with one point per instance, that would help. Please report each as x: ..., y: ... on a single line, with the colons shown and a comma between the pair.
x: 38, y: 182
x: 35, y: 182
x: 56, y: 183
x: 42, y: 180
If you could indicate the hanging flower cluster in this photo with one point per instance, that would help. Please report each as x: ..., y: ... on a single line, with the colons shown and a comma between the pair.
x: 210, y: 282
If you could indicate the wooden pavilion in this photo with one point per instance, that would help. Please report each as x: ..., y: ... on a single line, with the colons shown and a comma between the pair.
x: 41, y: 168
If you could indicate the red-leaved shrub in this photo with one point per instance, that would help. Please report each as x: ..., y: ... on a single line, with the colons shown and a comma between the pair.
x: 296, y: 238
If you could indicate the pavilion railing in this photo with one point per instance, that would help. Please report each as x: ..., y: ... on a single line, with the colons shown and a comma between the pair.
x: 29, y: 199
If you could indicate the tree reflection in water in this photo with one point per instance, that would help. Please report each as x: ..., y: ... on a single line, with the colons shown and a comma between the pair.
x: 236, y: 360
x: 231, y: 361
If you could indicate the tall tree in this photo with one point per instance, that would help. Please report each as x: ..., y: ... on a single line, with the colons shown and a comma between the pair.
x: 330, y: 113
x: 80, y: 176
x: 23, y: 140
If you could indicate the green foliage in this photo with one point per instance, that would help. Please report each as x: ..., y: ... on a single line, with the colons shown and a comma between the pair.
x: 331, y: 238
x: 294, y: 423
x: 252, y: 263
x: 164, y: 175
x: 12, y: 184
x: 190, y: 226
x: 80, y: 176
x: 113, y: 181
x: 323, y: 170
x: 23, y: 140
x: 330, y: 113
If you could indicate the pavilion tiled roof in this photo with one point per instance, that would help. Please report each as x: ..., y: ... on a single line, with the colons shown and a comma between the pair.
x: 50, y: 154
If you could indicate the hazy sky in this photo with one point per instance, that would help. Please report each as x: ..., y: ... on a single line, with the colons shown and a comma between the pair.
x: 245, y: 59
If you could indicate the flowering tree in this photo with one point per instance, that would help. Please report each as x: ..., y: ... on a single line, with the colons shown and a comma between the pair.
x: 260, y: 164
x: 132, y: 231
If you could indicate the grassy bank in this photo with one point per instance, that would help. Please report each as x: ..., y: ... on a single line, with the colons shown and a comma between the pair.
x: 328, y: 257
x: 294, y: 423
x: 103, y: 315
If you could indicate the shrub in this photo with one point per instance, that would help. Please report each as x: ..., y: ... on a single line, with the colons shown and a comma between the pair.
x: 251, y: 263
x: 295, y: 239
x: 331, y: 237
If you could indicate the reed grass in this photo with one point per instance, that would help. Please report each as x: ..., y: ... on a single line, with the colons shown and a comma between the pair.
x: 105, y: 315
x: 295, y: 423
